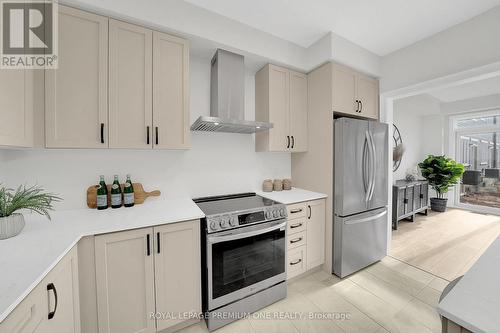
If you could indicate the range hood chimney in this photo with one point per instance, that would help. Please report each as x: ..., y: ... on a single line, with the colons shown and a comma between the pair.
x: 227, y: 98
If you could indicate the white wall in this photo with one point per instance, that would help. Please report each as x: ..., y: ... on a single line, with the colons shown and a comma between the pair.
x: 218, y: 163
x: 421, y: 125
x: 463, y: 47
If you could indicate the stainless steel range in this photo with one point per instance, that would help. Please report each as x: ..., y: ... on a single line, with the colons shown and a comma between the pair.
x: 243, y: 255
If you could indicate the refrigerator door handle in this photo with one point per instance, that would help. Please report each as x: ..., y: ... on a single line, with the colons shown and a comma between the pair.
x: 366, y: 167
x: 366, y: 219
x: 373, y: 166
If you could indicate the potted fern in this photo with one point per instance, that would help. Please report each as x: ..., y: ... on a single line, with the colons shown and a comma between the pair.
x: 442, y: 173
x: 33, y: 198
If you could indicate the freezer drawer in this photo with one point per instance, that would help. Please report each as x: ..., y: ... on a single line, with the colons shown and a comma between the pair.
x: 359, y: 240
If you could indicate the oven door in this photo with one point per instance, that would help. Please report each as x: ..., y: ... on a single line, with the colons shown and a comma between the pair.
x: 244, y: 261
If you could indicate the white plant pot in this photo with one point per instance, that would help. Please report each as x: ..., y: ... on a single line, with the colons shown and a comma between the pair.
x: 11, y: 226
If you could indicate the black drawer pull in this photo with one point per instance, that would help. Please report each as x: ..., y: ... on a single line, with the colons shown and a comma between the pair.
x: 156, y: 135
x: 298, y: 261
x: 50, y: 287
x: 421, y: 196
x: 147, y: 135
x: 296, y: 225
x: 288, y: 141
x: 310, y: 212
x: 405, y: 201
x: 293, y: 142
x: 296, y: 240
x: 295, y: 211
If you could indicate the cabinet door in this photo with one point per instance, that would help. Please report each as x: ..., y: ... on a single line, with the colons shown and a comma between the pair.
x: 409, y: 199
x: 125, y: 281
x: 76, y: 105
x: 62, y: 292
x: 425, y: 194
x: 298, y: 111
x: 401, y: 201
x: 130, y: 86
x: 16, y: 105
x: 279, y: 135
x: 344, y: 88
x: 417, y: 201
x: 367, y: 93
x: 315, y: 233
x: 177, y: 270
x: 170, y: 92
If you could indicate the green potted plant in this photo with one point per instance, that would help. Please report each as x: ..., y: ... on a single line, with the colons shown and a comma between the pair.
x: 33, y: 198
x: 442, y: 173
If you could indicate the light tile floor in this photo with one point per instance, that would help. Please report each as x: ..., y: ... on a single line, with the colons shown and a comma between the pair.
x: 389, y: 296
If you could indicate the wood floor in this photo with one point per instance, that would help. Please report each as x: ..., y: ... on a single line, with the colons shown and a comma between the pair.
x: 445, y: 244
x: 389, y: 296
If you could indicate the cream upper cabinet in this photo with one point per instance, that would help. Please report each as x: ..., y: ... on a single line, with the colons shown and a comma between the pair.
x: 298, y: 112
x: 130, y: 85
x: 53, y: 305
x: 125, y: 281
x: 16, y: 105
x: 354, y: 93
x: 76, y: 104
x: 367, y: 92
x: 281, y: 99
x: 315, y: 233
x: 170, y: 92
x: 177, y: 270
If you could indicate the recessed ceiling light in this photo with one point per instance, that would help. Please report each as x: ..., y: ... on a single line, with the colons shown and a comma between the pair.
x: 258, y: 127
x: 216, y: 124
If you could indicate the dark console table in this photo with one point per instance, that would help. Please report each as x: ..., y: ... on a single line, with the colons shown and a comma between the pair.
x: 408, y: 199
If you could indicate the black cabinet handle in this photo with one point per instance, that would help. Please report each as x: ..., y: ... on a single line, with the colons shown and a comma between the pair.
x: 158, y: 241
x: 293, y: 141
x: 288, y: 141
x: 148, y: 245
x: 298, y: 261
x: 421, y: 196
x: 293, y: 211
x: 156, y: 135
x: 147, y: 135
x: 310, y: 212
x: 51, y: 287
x: 102, y: 132
x: 296, y: 225
x: 405, y: 201
x: 361, y: 103
x: 296, y: 240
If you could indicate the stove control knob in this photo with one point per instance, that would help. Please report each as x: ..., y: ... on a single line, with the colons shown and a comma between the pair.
x: 214, y: 224
x: 282, y: 212
x: 269, y: 215
x: 224, y: 223
x: 233, y: 221
x: 275, y: 213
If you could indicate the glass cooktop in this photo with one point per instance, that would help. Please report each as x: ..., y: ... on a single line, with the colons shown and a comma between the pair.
x: 232, y: 203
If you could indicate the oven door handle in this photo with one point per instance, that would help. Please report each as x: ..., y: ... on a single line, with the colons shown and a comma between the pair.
x: 224, y: 238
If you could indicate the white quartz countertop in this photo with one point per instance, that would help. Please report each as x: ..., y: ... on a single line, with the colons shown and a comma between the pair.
x: 27, y: 258
x: 292, y: 196
x: 474, y: 302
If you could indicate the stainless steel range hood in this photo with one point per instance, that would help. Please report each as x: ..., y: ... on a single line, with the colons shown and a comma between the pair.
x: 227, y: 98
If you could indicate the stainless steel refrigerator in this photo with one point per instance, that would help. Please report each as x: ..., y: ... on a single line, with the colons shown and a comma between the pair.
x: 360, y: 194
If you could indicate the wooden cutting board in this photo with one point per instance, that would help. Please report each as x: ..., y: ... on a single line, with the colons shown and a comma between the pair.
x: 139, y: 194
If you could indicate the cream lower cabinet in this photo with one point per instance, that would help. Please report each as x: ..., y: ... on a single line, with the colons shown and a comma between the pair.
x: 53, y: 306
x: 144, y: 272
x: 281, y: 99
x: 305, y: 237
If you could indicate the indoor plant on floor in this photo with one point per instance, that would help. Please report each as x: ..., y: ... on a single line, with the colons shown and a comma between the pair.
x: 32, y: 198
x: 442, y: 173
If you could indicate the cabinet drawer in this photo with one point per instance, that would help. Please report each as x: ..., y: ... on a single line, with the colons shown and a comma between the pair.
x: 296, y: 225
x: 296, y: 262
x: 296, y: 240
x: 296, y: 210
x: 29, y: 314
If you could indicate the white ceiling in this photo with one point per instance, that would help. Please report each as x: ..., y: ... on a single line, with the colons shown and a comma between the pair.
x: 480, y: 88
x: 381, y: 26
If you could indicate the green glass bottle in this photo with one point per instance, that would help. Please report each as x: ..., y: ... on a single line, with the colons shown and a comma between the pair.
x: 102, y: 194
x: 116, y: 193
x: 128, y: 193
